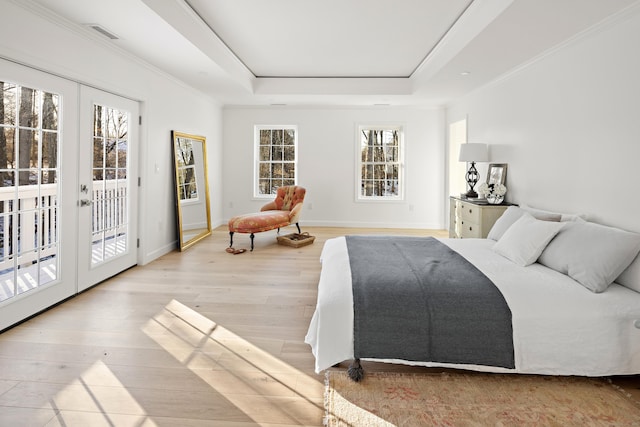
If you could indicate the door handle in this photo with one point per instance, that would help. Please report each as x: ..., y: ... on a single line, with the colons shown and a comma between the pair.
x: 86, y: 202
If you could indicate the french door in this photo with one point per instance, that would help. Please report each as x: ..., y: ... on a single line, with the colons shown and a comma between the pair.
x: 60, y: 202
x: 108, y: 186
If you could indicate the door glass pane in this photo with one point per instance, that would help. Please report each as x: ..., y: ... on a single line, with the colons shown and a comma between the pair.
x: 29, y: 142
x: 109, y: 219
x: 7, y: 264
x: 29, y: 110
x: 9, y: 105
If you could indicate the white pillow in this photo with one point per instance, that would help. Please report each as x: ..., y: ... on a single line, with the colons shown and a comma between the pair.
x: 552, y: 216
x: 593, y: 255
x: 513, y: 213
x: 506, y: 220
x: 630, y: 277
x: 525, y: 240
x: 542, y: 215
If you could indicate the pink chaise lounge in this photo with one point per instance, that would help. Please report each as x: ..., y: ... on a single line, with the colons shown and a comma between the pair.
x: 284, y: 210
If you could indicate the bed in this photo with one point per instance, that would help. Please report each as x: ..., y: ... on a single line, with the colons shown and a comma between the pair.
x: 572, y: 288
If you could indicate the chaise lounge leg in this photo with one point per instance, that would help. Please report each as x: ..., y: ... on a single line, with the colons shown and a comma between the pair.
x: 355, y: 371
x: 298, y: 225
x: 251, y: 241
x: 231, y: 239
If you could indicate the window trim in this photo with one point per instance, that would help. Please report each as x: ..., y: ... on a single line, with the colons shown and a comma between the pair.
x: 256, y: 157
x: 401, y: 128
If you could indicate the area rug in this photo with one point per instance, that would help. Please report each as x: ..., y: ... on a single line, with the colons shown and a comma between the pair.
x: 475, y: 399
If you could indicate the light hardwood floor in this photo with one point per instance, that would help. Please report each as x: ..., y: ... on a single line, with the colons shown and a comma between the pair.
x: 199, y: 338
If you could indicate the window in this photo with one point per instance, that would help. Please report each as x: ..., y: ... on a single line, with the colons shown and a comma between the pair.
x: 29, y: 188
x: 110, y: 220
x: 276, y: 157
x: 380, y: 163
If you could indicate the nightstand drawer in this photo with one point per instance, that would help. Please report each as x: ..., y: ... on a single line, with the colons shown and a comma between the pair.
x: 472, y: 220
x: 470, y: 212
x: 470, y: 230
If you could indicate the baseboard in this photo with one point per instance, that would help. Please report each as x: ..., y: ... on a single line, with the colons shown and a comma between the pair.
x: 360, y: 224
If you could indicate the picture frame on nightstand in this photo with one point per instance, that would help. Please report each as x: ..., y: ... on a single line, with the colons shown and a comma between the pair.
x: 497, y: 173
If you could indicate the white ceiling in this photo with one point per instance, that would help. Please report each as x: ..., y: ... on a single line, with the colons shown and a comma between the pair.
x: 330, y: 38
x: 337, y: 52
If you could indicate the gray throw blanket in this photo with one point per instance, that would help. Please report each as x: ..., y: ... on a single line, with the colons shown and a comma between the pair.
x: 416, y: 299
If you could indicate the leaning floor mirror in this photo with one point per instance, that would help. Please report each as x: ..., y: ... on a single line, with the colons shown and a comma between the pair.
x: 192, y: 188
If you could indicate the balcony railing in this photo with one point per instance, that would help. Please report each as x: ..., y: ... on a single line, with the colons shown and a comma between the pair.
x: 30, y: 231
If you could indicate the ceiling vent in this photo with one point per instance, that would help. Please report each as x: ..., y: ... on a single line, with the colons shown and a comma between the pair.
x: 103, y: 31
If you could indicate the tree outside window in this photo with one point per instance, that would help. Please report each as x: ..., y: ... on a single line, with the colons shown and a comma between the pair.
x: 276, y: 157
x: 380, y: 163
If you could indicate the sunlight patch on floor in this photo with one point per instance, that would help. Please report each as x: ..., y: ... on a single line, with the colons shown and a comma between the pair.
x: 250, y: 378
x: 103, y: 402
x: 357, y: 416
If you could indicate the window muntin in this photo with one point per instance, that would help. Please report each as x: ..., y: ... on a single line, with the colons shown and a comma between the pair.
x: 110, y: 217
x: 380, y: 163
x: 276, y: 158
x: 29, y: 188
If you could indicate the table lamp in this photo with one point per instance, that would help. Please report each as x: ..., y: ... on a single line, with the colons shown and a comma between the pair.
x: 473, y: 152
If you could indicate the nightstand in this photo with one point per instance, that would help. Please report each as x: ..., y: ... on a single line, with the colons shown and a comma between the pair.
x: 469, y: 219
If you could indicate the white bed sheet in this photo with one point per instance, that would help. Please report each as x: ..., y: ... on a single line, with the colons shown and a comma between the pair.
x: 559, y: 327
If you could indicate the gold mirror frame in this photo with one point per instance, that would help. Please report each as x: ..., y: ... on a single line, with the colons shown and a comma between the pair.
x: 193, y: 218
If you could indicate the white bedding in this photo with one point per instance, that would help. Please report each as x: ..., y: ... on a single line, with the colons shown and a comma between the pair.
x: 559, y: 327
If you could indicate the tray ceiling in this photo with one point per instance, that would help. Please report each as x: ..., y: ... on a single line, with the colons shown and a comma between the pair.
x: 330, y: 38
x: 335, y: 52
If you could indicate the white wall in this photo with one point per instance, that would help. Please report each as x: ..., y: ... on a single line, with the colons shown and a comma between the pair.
x: 326, y: 164
x: 166, y: 105
x: 568, y: 125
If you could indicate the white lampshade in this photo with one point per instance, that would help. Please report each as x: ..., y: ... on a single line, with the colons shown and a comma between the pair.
x: 474, y: 152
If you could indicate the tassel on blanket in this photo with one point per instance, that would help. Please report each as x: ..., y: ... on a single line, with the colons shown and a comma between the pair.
x: 355, y: 371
